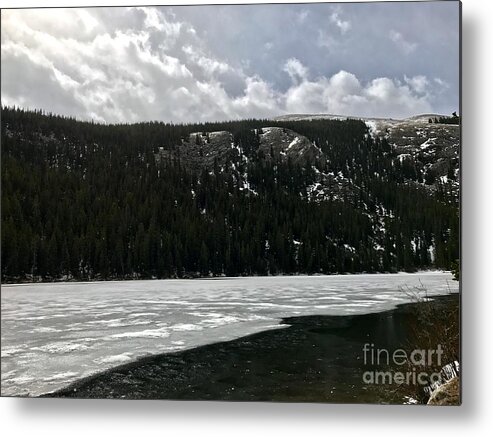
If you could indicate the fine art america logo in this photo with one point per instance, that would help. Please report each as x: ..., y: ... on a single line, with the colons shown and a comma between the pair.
x: 416, y: 359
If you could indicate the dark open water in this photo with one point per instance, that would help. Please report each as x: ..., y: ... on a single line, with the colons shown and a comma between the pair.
x: 314, y: 359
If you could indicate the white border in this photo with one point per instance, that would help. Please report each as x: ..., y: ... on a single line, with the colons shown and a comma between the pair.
x: 53, y: 417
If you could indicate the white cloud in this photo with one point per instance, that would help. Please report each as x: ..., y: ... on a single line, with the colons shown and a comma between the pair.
x: 296, y: 70
x: 259, y: 100
x: 443, y: 85
x: 344, y: 94
x: 306, y: 97
x: 404, y: 45
x: 344, y: 84
x: 343, y: 25
x: 329, y: 37
x: 146, y: 65
x: 119, y: 75
x: 418, y: 83
x: 210, y: 66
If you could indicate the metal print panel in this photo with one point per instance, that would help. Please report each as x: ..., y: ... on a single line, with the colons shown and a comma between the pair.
x: 232, y: 202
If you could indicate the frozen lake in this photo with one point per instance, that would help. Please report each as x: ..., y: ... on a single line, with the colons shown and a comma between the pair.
x: 53, y: 334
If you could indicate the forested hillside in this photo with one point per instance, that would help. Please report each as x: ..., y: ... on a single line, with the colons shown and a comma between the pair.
x: 254, y: 197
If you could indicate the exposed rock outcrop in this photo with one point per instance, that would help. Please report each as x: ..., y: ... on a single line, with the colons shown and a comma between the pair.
x: 201, y: 149
x: 446, y: 394
x: 281, y: 144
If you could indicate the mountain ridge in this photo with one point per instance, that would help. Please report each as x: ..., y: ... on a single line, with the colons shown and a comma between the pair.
x: 250, y: 197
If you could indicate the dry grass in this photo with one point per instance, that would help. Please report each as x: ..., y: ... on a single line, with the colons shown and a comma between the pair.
x: 431, y: 323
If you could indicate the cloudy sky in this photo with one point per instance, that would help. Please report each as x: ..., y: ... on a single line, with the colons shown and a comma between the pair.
x: 201, y: 63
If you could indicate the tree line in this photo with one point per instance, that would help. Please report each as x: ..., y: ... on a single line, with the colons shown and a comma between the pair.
x: 454, y: 119
x: 90, y: 201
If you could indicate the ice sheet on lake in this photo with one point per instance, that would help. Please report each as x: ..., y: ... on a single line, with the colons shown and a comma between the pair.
x: 53, y: 334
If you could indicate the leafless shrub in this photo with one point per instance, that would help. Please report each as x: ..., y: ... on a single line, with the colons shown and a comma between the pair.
x: 431, y: 323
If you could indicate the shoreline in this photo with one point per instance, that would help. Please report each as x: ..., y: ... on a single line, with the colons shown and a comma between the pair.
x: 220, y: 278
x: 292, y: 363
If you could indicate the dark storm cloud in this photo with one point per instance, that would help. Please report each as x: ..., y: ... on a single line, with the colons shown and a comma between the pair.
x: 221, y: 62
